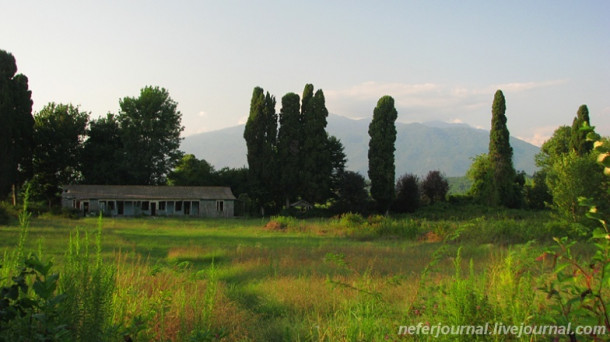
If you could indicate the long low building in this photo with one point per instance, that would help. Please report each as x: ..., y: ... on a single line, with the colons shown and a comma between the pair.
x: 145, y: 200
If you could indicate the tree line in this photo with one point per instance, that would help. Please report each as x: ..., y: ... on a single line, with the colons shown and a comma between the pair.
x: 568, y: 171
x: 61, y: 144
x: 290, y: 155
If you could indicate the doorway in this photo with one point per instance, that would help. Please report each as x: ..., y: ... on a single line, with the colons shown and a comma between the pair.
x: 153, y: 208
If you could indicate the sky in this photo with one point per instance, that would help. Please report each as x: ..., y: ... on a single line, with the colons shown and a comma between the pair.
x: 440, y: 60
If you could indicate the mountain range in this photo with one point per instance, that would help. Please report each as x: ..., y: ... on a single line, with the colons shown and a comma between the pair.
x: 420, y: 147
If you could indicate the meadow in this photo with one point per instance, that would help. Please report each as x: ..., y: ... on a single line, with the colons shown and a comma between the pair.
x: 348, y: 278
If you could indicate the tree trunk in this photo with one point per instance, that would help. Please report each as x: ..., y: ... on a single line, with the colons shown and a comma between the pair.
x: 14, y: 195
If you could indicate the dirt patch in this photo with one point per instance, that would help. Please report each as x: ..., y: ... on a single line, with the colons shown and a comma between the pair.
x: 430, y: 237
x: 275, y: 226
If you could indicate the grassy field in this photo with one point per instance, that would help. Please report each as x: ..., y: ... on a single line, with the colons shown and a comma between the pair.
x: 342, y: 279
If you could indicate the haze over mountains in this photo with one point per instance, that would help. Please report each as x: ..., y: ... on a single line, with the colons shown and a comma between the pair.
x: 420, y: 147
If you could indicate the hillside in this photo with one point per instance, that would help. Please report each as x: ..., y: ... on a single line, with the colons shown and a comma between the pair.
x: 419, y: 147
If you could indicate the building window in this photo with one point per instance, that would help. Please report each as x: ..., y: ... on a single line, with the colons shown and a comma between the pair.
x: 145, y: 205
x: 178, y: 205
x: 162, y: 205
x: 220, y: 206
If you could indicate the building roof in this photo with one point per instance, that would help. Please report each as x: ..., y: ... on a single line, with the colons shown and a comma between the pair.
x: 146, y: 192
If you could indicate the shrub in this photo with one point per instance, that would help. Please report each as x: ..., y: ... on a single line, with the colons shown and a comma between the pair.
x: 30, y: 305
x: 281, y: 222
x: 351, y: 220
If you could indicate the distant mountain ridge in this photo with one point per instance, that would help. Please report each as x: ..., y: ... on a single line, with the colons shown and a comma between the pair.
x: 420, y: 147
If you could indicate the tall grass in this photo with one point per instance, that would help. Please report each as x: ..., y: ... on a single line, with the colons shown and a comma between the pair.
x: 89, y: 284
x: 13, y: 259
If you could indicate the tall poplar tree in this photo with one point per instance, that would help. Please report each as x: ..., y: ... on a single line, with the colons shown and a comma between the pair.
x: 501, y: 154
x: 261, y: 140
x: 289, y: 147
x: 315, y: 156
x: 578, y: 138
x: 382, y: 131
x: 16, y: 125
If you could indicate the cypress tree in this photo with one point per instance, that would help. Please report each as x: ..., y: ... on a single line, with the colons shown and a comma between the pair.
x: 501, y: 154
x: 578, y: 138
x: 261, y: 137
x: 382, y: 131
x: 289, y: 147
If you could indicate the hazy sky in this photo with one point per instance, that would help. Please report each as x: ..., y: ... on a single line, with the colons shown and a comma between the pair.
x: 440, y: 60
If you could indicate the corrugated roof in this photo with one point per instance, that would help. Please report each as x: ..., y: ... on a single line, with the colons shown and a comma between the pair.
x: 146, y: 192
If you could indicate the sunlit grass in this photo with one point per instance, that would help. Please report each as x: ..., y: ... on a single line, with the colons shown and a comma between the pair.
x: 236, y: 280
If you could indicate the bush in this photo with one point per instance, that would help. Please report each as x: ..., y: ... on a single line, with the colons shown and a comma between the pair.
x: 30, y: 305
x: 281, y: 222
x: 351, y: 220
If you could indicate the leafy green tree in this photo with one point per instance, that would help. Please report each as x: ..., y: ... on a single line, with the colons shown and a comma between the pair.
x: 261, y: 141
x: 236, y: 178
x: 501, y: 154
x: 408, y: 195
x: 150, y: 127
x: 59, y: 132
x: 16, y: 125
x: 289, y: 147
x: 315, y: 155
x: 578, y: 138
x: 191, y: 171
x: 103, y: 150
x: 481, y: 174
x: 572, y: 176
x: 557, y: 145
x: 382, y: 131
x: 435, y: 186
